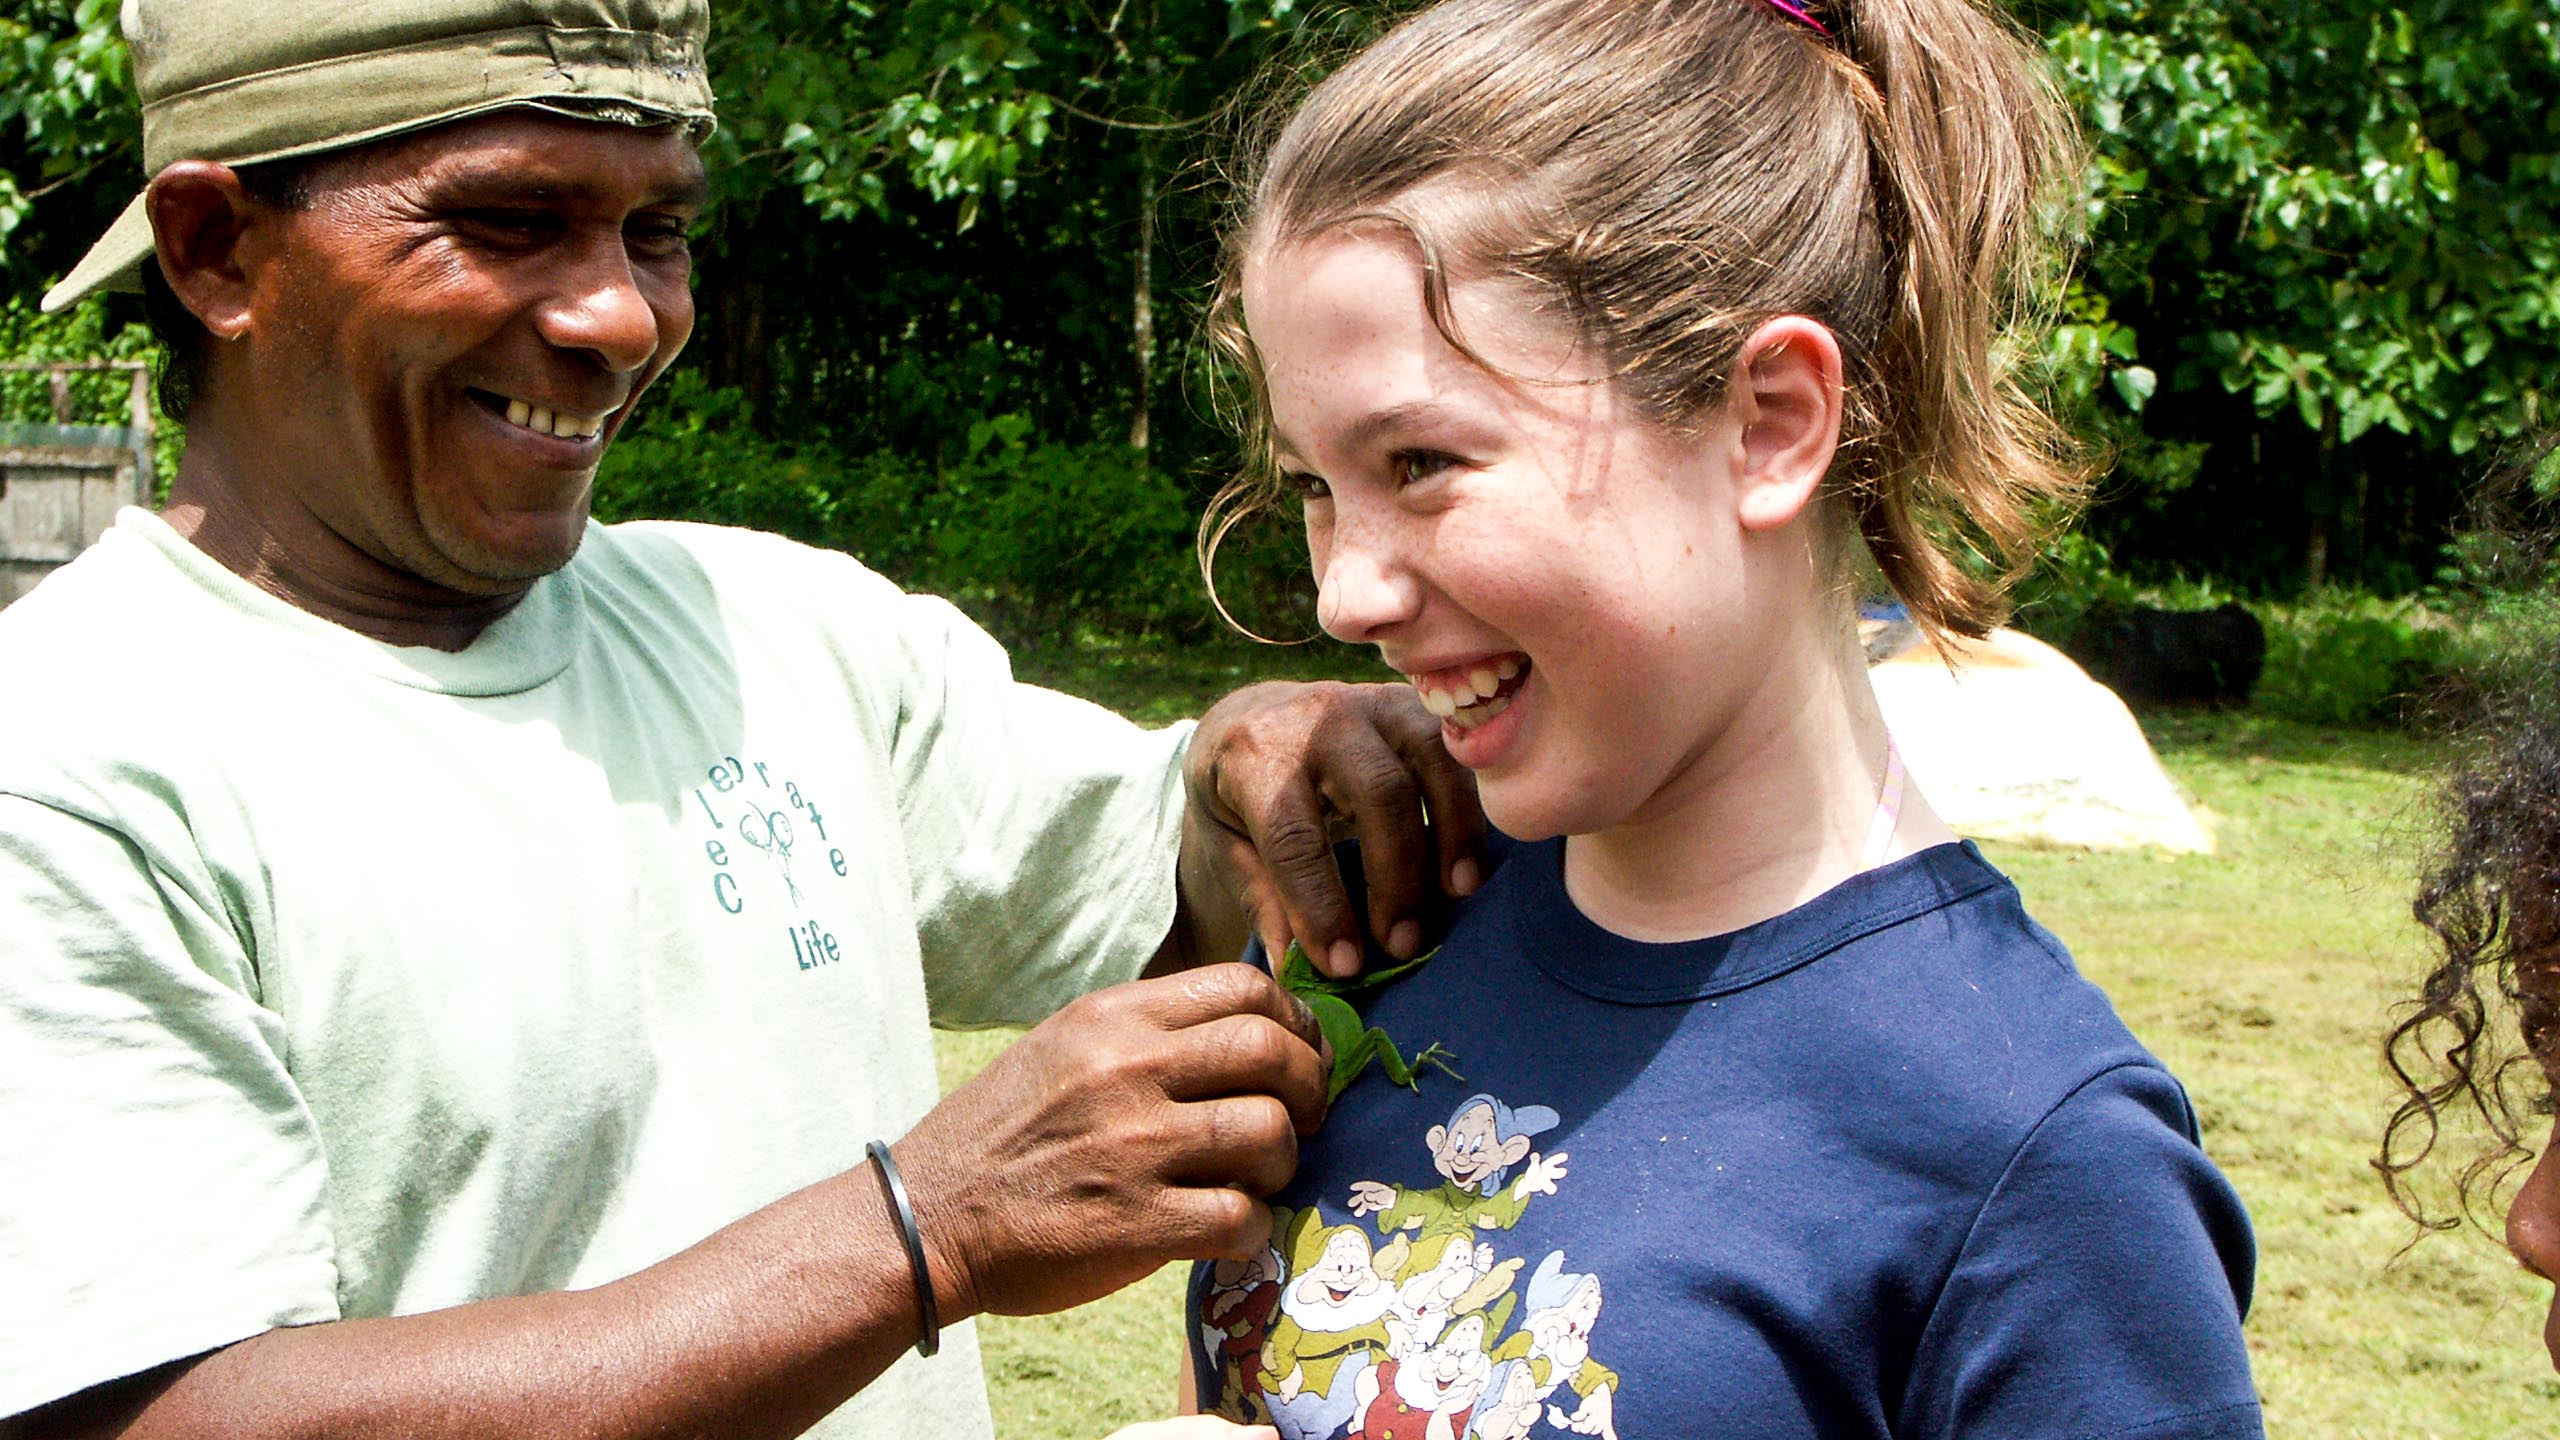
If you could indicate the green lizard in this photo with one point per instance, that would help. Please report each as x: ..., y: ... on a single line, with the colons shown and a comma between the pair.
x: 1355, y: 1043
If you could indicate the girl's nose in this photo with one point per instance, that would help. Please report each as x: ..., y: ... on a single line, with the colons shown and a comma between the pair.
x: 1364, y: 591
x: 2533, y: 1231
x: 2533, y: 1219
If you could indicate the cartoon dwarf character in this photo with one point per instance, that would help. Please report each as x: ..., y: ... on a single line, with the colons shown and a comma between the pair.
x: 1511, y: 1406
x: 1461, y: 1280
x: 1426, y: 1392
x: 1331, y: 1324
x: 1236, y: 1315
x: 1554, y: 1345
x: 1473, y: 1152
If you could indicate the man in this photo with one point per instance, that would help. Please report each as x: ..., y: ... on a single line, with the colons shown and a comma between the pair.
x: 453, y: 957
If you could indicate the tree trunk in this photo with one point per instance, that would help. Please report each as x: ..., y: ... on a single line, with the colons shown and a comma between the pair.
x: 736, y: 336
x: 1142, y: 301
x: 1142, y: 298
x: 2315, y: 549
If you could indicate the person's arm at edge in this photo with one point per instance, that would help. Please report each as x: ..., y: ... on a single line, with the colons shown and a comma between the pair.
x: 1072, y: 1165
x: 1268, y: 768
x: 759, y: 1330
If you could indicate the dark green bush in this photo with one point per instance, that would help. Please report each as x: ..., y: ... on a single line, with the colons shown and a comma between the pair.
x: 2338, y: 658
x: 1039, y: 540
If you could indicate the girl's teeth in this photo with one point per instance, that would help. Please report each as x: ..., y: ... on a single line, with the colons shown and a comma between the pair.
x: 1485, y: 681
x: 1475, y: 715
x: 1440, y: 703
x: 1509, y: 669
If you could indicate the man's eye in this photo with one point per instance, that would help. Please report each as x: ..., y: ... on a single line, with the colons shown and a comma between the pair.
x: 510, y: 219
x: 662, y: 237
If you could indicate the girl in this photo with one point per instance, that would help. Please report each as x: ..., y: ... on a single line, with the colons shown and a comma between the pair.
x: 2492, y: 900
x: 1591, y: 335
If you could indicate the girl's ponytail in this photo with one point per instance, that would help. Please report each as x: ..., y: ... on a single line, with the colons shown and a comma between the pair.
x: 1971, y: 157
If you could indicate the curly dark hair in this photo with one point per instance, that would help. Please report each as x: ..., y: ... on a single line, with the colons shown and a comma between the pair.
x: 2491, y: 898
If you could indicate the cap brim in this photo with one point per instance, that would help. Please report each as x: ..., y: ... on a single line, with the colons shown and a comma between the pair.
x: 114, y: 263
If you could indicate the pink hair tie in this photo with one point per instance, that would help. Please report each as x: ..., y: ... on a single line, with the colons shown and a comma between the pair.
x: 1794, y: 11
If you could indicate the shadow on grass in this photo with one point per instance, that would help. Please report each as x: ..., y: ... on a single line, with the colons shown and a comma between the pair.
x: 2195, y: 732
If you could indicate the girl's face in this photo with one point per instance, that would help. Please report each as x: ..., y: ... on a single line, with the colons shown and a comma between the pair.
x: 2533, y: 1216
x: 1573, y: 588
x: 2533, y: 1230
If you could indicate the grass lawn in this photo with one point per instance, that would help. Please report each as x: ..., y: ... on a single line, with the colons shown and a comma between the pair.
x: 2261, y: 974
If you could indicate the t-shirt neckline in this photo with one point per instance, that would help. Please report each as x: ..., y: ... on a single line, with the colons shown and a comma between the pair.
x: 525, y: 648
x: 1577, y: 953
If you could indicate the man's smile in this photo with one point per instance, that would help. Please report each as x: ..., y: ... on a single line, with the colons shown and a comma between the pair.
x: 542, y: 419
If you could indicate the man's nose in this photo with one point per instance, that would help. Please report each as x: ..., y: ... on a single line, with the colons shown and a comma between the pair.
x: 602, y: 309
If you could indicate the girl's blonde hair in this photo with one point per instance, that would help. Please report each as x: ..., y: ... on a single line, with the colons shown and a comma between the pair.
x: 1673, y: 173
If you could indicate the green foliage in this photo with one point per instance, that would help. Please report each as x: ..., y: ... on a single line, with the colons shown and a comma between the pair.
x: 66, y: 103
x: 2336, y: 658
x: 89, y: 332
x: 2341, y: 216
x: 1038, y: 539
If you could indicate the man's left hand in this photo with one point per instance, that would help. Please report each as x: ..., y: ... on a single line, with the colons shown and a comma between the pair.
x: 1270, y: 769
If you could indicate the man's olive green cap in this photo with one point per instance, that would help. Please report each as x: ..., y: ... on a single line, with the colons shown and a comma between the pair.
x: 242, y: 81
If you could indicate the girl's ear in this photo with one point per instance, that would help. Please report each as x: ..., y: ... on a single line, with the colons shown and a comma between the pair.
x: 1785, y: 399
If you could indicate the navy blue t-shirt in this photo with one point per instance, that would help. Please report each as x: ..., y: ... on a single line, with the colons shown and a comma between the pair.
x: 1885, y: 1165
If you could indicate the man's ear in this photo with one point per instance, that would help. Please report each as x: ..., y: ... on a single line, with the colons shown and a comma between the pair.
x: 1785, y: 396
x: 1435, y: 1137
x: 1512, y: 1149
x: 203, y: 226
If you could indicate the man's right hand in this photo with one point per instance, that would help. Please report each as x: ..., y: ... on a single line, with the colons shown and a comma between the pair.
x: 1141, y: 1124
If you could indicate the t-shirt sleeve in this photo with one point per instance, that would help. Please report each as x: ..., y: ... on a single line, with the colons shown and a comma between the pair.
x: 165, y: 1192
x: 1041, y: 830
x: 2101, y: 1291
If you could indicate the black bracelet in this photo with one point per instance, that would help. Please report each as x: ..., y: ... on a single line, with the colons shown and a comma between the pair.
x: 931, y: 1339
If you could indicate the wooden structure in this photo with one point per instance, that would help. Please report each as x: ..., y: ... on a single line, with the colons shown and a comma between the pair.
x: 61, y: 484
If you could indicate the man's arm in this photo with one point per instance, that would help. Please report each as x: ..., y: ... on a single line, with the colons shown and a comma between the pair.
x: 1137, y: 1126
x: 1268, y: 771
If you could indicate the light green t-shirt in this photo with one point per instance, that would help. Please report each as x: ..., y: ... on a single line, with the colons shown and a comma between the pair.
x: 340, y: 979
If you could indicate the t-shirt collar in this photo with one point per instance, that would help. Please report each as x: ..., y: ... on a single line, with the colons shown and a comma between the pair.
x: 1580, y: 955
x: 524, y: 648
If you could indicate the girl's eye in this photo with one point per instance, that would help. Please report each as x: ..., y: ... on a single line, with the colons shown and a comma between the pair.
x: 1307, y: 484
x: 1412, y: 467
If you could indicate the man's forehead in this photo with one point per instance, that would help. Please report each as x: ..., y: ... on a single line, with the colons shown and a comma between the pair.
x: 536, y: 156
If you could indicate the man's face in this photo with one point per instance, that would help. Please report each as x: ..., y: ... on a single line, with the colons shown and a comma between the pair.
x: 445, y: 339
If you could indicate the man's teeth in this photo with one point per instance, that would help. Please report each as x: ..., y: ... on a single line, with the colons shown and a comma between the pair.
x: 543, y: 420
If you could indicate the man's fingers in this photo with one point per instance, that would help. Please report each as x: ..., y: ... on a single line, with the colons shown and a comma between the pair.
x: 1298, y: 859
x: 1251, y: 1055
x: 1367, y: 779
x: 1448, y: 790
x: 1260, y: 899
x: 1210, y: 1222
x: 1248, y: 1142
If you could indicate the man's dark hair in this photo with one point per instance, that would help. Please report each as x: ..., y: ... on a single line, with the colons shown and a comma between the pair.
x: 186, y: 346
